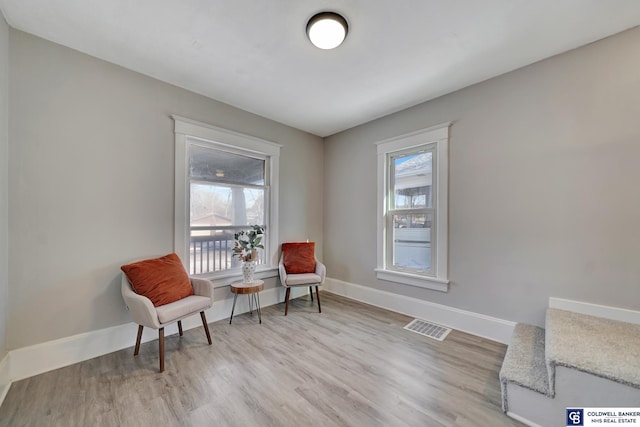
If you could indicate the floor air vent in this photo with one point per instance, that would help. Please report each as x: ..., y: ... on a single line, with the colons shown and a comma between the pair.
x: 428, y: 329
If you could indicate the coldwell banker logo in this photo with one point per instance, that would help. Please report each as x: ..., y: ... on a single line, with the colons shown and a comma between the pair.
x: 575, y: 417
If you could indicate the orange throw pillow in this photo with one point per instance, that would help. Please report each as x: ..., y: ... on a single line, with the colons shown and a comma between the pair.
x: 299, y: 257
x: 163, y: 280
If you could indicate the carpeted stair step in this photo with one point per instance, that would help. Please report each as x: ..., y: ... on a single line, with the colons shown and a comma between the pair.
x: 524, y: 363
x: 606, y: 348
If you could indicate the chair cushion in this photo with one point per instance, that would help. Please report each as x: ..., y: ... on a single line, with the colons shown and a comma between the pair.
x: 163, y: 280
x: 303, y: 279
x: 299, y: 257
x: 176, y: 310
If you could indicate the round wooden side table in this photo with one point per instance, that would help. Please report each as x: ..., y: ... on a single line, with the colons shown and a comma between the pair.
x: 252, y: 290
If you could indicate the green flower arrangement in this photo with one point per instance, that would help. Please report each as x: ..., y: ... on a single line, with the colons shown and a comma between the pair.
x: 247, y: 243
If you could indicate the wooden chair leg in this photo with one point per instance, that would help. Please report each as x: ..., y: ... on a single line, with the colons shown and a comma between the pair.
x: 318, y: 296
x: 161, y: 348
x: 206, y: 326
x: 311, y: 292
x: 286, y: 301
x: 137, y: 349
x: 180, y: 327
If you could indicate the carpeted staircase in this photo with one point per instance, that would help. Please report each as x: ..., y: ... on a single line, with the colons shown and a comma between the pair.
x: 578, y: 361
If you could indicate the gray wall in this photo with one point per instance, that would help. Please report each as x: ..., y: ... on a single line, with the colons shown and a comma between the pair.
x: 91, y: 183
x: 544, y: 186
x: 4, y: 180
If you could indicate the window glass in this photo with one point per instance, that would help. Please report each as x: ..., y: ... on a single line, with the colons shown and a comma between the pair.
x: 222, y: 166
x: 412, y: 241
x: 411, y: 210
x: 227, y: 194
x: 412, y: 179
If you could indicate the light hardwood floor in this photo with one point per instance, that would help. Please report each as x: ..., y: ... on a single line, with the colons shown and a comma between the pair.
x: 352, y: 365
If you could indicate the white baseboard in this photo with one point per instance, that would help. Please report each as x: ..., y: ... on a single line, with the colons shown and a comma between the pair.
x: 522, y: 420
x: 477, y: 324
x: 5, y: 382
x: 613, y: 313
x: 36, y: 359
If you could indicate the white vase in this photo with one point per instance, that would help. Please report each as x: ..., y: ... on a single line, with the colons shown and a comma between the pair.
x: 248, y: 269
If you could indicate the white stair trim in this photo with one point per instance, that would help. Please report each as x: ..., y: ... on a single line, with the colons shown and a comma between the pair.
x: 523, y: 420
x: 597, y: 310
x: 477, y: 324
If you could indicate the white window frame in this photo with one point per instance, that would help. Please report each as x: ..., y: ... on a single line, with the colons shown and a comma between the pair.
x: 217, y: 137
x: 438, y: 278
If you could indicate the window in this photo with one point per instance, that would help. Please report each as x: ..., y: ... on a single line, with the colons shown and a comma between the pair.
x: 225, y: 182
x: 412, y: 222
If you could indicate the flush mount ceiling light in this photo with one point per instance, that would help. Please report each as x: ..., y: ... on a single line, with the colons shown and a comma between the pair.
x: 327, y: 30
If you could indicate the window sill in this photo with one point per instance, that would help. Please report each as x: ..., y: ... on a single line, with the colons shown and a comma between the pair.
x: 432, y: 283
x: 225, y: 279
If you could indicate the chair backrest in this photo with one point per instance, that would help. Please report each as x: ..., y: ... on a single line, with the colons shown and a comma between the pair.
x: 125, y: 286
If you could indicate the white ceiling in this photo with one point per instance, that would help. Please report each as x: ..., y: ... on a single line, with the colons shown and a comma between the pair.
x: 254, y: 54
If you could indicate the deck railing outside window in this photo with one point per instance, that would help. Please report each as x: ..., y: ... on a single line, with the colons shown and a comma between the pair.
x: 213, y: 252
